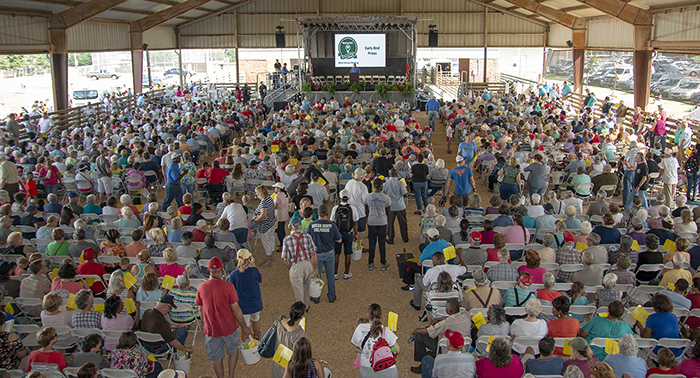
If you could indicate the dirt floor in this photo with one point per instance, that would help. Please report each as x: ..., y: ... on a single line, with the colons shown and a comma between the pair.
x: 330, y: 325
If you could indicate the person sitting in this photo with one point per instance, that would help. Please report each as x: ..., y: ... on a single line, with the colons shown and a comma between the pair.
x: 532, y: 260
x: 503, y: 271
x: 503, y: 219
x: 85, y: 316
x: 589, y: 275
x: 500, y: 363
x: 149, y: 291
x: 455, y: 363
x: 59, y: 246
x: 624, y: 276
x: 667, y: 362
x: 611, y: 326
x: 650, y: 256
x: 571, y: 222
x: 171, y: 267
x: 690, y: 365
x: 677, y: 295
x: 530, y: 326
x: 548, y: 294
x: 608, y: 294
x: 626, y: 362
x: 582, y: 357
x: 435, y: 245
x: 673, y: 275
x: 662, y: 323
x: 546, y: 221
x: 605, y: 178
x: 548, y: 255
x: 626, y: 242
x: 520, y: 294
x: 175, y: 233
x: 80, y: 244
x: 607, y: 231
x: 125, y: 357
x: 186, y: 250
x: 46, y: 338
x: 90, y: 348
x: 66, y: 282
x: 154, y: 321
x: 600, y: 207
x: 664, y: 231
x: 682, y: 245
x: 184, y: 293
x: 135, y: 247
x: 563, y: 325
x: 548, y: 363
x: 90, y: 267
x: 687, y: 223
x: 482, y: 295
x: 428, y: 338
x: 499, y: 242
x: 431, y: 276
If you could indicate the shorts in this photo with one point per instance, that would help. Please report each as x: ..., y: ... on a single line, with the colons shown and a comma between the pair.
x: 463, y: 199
x: 362, y: 224
x: 215, y: 346
x: 254, y: 317
x: 448, y: 139
x: 104, y: 185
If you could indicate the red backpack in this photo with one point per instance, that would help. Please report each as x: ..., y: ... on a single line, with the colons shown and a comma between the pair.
x: 382, y: 357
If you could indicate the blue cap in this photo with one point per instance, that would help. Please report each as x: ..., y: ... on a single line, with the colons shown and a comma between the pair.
x: 295, y: 222
x: 72, y: 195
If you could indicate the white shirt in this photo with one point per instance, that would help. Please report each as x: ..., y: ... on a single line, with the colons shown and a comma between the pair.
x: 521, y: 328
x: 236, y: 216
x: 45, y: 124
x: 359, y: 335
x: 432, y: 274
x: 355, y: 212
x: 358, y: 192
x: 670, y: 167
x: 535, y: 210
x: 575, y: 202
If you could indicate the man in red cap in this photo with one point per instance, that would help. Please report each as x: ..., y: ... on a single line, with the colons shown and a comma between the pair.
x: 218, y: 304
x: 455, y: 363
x: 474, y: 255
x: 90, y: 267
x: 520, y: 294
x: 567, y: 254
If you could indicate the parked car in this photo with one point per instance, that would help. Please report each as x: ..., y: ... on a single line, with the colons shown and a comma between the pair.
x: 685, y: 90
x: 84, y: 96
x: 176, y: 72
x: 102, y: 74
x: 663, y: 87
x: 154, y: 80
x: 617, y: 74
x: 660, y: 76
x: 597, y: 77
x: 626, y: 85
x: 691, y: 70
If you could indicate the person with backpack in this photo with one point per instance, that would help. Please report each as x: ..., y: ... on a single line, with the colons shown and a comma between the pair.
x: 325, y: 234
x: 376, y: 346
x: 345, y: 217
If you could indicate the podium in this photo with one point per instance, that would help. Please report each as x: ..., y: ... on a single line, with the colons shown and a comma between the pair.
x: 354, y: 77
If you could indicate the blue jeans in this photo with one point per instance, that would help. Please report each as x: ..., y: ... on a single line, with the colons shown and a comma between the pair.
x: 187, y: 188
x: 51, y: 189
x: 157, y: 369
x: 661, y: 139
x: 172, y: 192
x: 539, y: 191
x: 627, y: 187
x: 180, y: 335
x: 427, y: 364
x: 507, y: 190
x: 327, y: 259
x: 693, y: 181
x: 434, y: 187
x: 432, y: 117
x: 420, y: 190
x: 643, y: 195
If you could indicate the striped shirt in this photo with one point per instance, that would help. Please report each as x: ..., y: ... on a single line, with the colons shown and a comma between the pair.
x: 270, y: 221
x: 298, y: 246
x: 186, y: 297
x: 454, y: 364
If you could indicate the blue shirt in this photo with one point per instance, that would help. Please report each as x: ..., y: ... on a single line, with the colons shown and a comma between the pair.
x: 324, y: 234
x: 432, y: 105
x: 624, y: 364
x: 432, y: 248
x: 566, y: 90
x: 607, y: 235
x: 172, y: 173
x: 549, y: 366
x: 247, y: 286
x: 354, y: 70
x: 664, y: 325
x: 467, y: 151
x: 461, y: 176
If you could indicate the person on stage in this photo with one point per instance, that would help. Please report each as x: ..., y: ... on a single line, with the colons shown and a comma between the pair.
x: 354, y: 68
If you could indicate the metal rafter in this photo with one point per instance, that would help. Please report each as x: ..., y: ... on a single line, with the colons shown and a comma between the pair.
x: 508, y: 11
x: 158, y: 18
x: 555, y: 15
x: 83, y: 12
x: 218, y: 12
x: 26, y: 12
x: 622, y: 10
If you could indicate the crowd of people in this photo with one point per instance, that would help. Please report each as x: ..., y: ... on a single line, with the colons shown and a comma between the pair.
x: 146, y: 199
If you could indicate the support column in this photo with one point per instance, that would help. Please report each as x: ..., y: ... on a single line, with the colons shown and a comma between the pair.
x: 642, y: 65
x: 579, y: 42
x: 235, y: 21
x: 137, y: 60
x: 486, y: 44
x: 59, y: 67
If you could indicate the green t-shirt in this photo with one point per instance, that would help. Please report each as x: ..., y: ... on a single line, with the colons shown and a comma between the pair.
x: 599, y: 326
x: 58, y: 249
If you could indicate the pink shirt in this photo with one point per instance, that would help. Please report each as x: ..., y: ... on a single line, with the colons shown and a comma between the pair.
x: 119, y: 322
x: 515, y: 234
x: 65, y: 289
x: 172, y: 270
x: 485, y: 369
x: 536, y: 273
x: 52, y: 177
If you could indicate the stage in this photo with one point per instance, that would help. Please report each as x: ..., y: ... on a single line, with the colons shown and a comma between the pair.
x: 362, y: 96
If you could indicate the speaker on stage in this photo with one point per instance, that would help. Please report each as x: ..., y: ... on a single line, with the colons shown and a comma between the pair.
x: 432, y: 38
x: 279, y: 105
x: 281, y: 42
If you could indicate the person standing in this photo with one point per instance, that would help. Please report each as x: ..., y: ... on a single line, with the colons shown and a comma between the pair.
x: 467, y: 149
x: 683, y: 138
x: 299, y: 255
x: 173, y: 175
x: 325, y: 234
x: 668, y: 173
x: 537, y: 179
x: 432, y: 106
x: 357, y: 191
x: 262, y: 90
x: 621, y: 113
x: 218, y: 305
x: 641, y: 182
x: 419, y: 177
x: 396, y: 190
x: 463, y: 178
x: 345, y: 217
x: 630, y: 164
x: 9, y: 180
x: 265, y: 222
x: 377, y: 205
x: 104, y: 176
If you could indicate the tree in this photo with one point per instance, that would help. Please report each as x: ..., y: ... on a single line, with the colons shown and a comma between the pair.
x: 230, y: 55
x: 13, y: 62
x: 84, y: 59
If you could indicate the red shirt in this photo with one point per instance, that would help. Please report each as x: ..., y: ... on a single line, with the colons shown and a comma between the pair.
x: 216, y: 175
x: 563, y: 327
x: 216, y: 297
x: 692, y: 321
x: 661, y: 371
x: 52, y: 357
x: 185, y: 210
x: 96, y: 269
x: 30, y: 188
x: 201, y: 173
x: 199, y: 235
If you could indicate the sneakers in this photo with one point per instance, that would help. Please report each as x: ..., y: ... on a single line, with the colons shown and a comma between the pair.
x: 336, y: 277
x: 417, y: 308
x: 370, y: 266
x: 407, y: 288
x: 423, y: 318
x: 385, y: 266
x: 347, y: 276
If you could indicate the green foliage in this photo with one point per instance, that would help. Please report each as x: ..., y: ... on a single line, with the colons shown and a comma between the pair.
x: 329, y: 87
x: 382, y: 89
x: 84, y: 59
x: 356, y: 87
x: 405, y: 89
x: 230, y: 55
x: 13, y: 62
x: 307, y: 87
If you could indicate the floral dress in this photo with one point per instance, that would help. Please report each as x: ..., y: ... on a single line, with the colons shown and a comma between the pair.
x: 191, y: 169
x: 8, y: 349
x: 425, y: 224
x: 127, y: 359
x: 112, y: 250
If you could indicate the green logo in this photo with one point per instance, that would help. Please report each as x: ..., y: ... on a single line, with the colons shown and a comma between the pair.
x: 347, y: 48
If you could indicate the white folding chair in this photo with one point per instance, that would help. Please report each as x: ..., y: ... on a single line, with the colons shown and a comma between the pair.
x: 111, y: 335
x: 146, y: 337
x: 650, y: 268
x: 664, y: 342
x: 118, y: 373
x: 186, y: 309
x: 71, y: 372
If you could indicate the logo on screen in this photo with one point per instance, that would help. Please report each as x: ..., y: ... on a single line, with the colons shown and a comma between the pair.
x: 347, y: 48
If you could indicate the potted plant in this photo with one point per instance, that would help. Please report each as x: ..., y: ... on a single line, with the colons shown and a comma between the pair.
x: 329, y: 87
x: 356, y: 87
x: 382, y: 89
x: 307, y: 87
x: 405, y: 89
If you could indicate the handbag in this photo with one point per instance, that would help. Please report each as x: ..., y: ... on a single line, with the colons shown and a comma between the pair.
x: 266, y: 346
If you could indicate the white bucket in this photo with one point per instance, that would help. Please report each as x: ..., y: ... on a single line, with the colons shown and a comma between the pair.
x: 182, y: 361
x: 315, y: 287
x: 249, y: 351
x: 356, y: 252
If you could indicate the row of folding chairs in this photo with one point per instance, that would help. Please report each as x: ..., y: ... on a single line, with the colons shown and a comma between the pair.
x: 71, y: 372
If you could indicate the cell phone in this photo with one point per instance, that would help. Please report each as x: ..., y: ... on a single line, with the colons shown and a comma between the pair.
x: 412, y: 338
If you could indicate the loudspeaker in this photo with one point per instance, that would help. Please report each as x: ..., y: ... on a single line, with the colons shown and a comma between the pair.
x: 569, y: 43
x: 279, y: 105
x: 281, y: 42
x: 432, y: 38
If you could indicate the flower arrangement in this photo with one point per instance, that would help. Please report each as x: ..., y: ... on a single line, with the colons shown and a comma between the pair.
x: 382, y: 89
x: 356, y: 87
x: 307, y: 87
x: 329, y: 87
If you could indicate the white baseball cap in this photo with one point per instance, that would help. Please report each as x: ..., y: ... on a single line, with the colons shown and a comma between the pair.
x: 459, y: 158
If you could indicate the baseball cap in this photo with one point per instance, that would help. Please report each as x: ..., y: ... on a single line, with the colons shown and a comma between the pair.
x: 31, y: 208
x: 295, y: 222
x: 459, y: 158
x: 344, y: 193
x: 636, y: 222
x: 72, y: 195
x: 568, y: 236
x: 170, y: 300
x: 455, y: 338
x: 278, y: 185
x: 476, y: 235
x: 548, y: 208
x: 175, y: 156
x: 526, y: 278
x: 244, y: 254
x: 215, y: 264
x: 170, y: 373
x: 432, y: 233
x: 6, y: 267
x: 480, y: 277
x: 578, y: 343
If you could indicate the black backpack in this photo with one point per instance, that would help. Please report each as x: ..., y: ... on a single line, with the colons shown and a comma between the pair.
x: 343, y: 218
